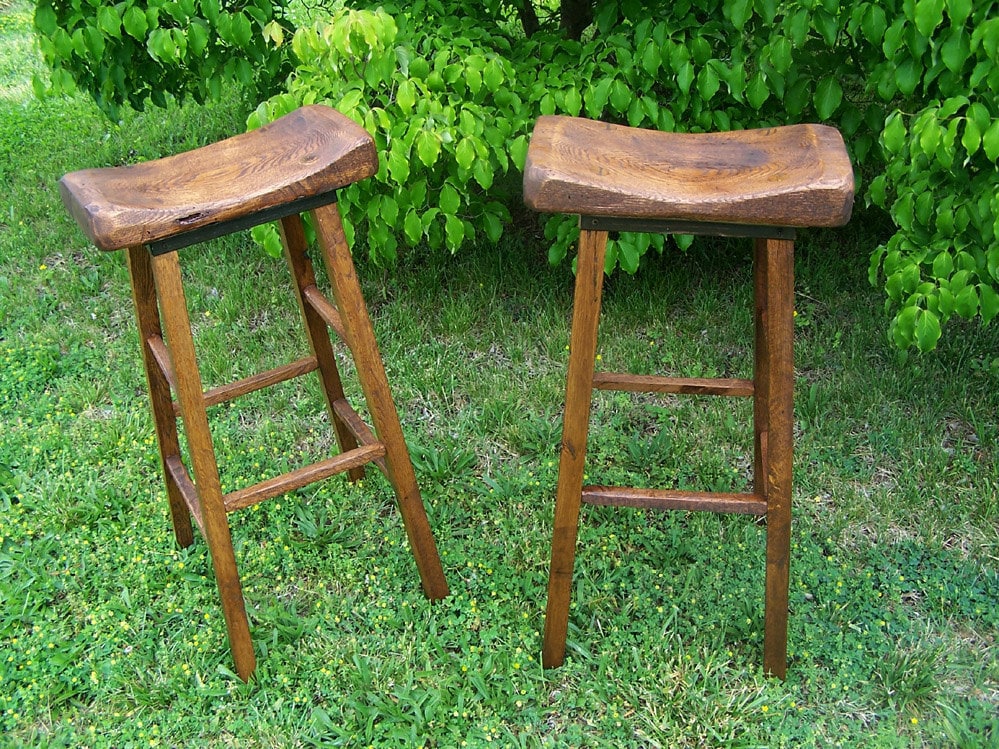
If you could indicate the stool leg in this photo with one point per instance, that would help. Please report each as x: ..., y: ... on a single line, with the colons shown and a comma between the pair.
x: 166, y: 272
x: 293, y: 238
x: 147, y: 318
x: 575, y: 427
x: 360, y: 339
x: 774, y: 428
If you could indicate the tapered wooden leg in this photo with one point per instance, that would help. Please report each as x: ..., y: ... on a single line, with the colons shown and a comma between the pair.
x: 303, y: 274
x: 575, y: 428
x: 360, y: 338
x: 166, y: 272
x: 774, y: 283
x: 148, y: 322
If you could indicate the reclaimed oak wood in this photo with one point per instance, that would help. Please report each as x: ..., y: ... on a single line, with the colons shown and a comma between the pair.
x: 796, y: 176
x: 152, y: 209
x: 313, y: 151
x: 777, y: 322
x: 360, y: 338
x: 190, y: 394
x: 575, y: 428
x: 675, y: 499
x: 758, y: 184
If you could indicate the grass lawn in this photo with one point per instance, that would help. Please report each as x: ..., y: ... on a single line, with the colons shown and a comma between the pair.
x: 112, y: 636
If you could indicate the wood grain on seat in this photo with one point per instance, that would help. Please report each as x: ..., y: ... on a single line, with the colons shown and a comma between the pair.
x: 796, y: 176
x: 312, y: 151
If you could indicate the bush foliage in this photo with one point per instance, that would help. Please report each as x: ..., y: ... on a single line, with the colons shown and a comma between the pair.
x: 450, y: 91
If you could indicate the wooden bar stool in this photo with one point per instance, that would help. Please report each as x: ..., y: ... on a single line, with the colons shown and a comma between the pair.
x: 759, y: 184
x: 153, y: 209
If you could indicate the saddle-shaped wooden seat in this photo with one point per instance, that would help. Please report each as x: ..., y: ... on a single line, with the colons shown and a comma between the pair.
x: 291, y: 165
x: 294, y: 164
x: 793, y: 176
x: 754, y: 183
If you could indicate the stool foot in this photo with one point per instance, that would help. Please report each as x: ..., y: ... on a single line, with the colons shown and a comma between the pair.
x: 575, y: 427
x: 774, y: 427
x: 360, y: 339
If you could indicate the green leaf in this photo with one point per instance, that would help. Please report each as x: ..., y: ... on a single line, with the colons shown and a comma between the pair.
x: 135, y: 22
x: 943, y: 265
x: 493, y: 76
x: 990, y: 141
x: 780, y: 54
x: 241, y: 30
x: 620, y: 97
x: 972, y: 138
x: 464, y: 154
x: 992, y: 263
x: 989, y: 300
x: 428, y: 147
x: 518, y: 151
x: 959, y: 10
x: 707, y: 83
x: 878, y: 191
x: 109, y: 20
x: 738, y: 12
x: 955, y: 50
x: 651, y: 58
x: 390, y: 210
x: 573, y: 102
x: 628, y: 253
x: 828, y: 96
x: 473, y: 78
x: 413, y: 227
x: 685, y: 77
x: 928, y: 15
x: 449, y: 201
x: 874, y: 23
x: 904, y: 327
x: 483, y: 173
x: 966, y: 302
x: 210, y: 9
x: 398, y: 163
x: 597, y: 96
x: 266, y: 235
x: 929, y: 136
x: 827, y: 26
x: 455, y: 231
x: 757, y: 91
x: 405, y: 96
x: 46, y: 20
x: 893, y: 136
x: 927, y: 330
x: 493, y: 226
x: 907, y: 76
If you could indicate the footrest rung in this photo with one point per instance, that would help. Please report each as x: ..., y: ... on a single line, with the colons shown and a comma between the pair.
x: 324, y: 308
x: 683, y: 385
x: 176, y: 472
x: 162, y: 357
x: 296, y: 479
x: 260, y: 381
x: 252, y: 384
x: 675, y: 499
x: 361, y: 431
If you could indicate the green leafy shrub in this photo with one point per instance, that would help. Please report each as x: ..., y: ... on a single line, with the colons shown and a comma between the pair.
x: 450, y: 91
x: 447, y: 128
x: 941, y: 181
x: 142, y: 50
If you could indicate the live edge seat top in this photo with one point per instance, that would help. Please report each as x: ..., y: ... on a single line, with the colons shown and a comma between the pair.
x: 793, y: 176
x: 307, y: 154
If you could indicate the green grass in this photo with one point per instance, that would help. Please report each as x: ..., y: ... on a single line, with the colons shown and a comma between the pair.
x: 111, y: 636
